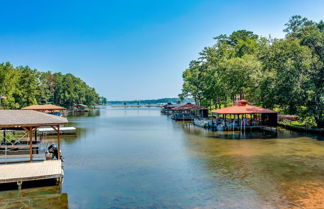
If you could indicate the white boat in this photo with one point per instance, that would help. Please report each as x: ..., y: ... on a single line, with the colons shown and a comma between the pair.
x: 202, y: 122
x: 63, y: 130
x: 220, y: 127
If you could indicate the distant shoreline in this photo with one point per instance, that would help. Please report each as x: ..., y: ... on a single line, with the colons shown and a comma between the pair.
x: 126, y: 106
x: 151, y: 101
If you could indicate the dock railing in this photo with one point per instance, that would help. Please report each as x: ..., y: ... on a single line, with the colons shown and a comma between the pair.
x: 20, y: 153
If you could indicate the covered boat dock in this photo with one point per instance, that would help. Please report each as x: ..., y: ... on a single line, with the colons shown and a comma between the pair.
x: 53, y: 110
x: 242, y: 115
x: 48, y: 108
x: 27, y: 166
x: 189, y: 112
x: 167, y: 108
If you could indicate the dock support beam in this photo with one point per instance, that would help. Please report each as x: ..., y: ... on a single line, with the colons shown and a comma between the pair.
x: 31, y: 144
x: 30, y: 133
x: 59, y: 142
x: 57, y: 129
x: 19, y: 184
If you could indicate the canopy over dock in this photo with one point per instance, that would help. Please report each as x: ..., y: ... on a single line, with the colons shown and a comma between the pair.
x: 47, y: 107
x: 241, y: 107
x: 166, y: 105
x: 192, y: 108
x: 80, y: 106
x: 167, y: 108
x: 29, y: 121
x: 189, y: 106
x: 287, y: 117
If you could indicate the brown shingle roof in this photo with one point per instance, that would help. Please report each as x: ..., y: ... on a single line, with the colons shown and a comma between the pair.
x: 28, y: 118
x: 43, y: 107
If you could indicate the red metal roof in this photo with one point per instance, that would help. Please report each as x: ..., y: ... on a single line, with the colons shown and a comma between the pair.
x: 189, y: 106
x: 43, y: 107
x: 242, y: 107
x: 288, y: 117
x: 166, y: 105
x: 80, y: 105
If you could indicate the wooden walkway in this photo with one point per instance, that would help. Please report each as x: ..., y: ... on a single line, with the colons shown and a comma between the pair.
x: 31, y: 171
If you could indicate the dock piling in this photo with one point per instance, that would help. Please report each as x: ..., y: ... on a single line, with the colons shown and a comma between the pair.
x: 19, y: 184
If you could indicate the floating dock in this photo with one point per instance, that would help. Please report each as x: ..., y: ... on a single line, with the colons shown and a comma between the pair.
x: 31, y: 171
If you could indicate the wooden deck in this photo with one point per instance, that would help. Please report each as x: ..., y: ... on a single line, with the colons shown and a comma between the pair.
x: 31, y: 171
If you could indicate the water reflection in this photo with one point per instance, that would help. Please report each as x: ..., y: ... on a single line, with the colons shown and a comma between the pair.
x: 136, y: 158
x: 41, y: 197
x: 285, y: 172
x: 267, y: 133
x: 89, y: 113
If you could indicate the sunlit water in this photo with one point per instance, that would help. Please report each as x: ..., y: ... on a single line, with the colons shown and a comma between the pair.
x: 137, y: 158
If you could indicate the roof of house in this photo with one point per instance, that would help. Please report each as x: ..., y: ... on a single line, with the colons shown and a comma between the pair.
x: 189, y: 106
x: 170, y: 105
x: 242, y: 107
x: 44, y: 107
x: 167, y: 105
x: 80, y: 105
x: 28, y: 118
x: 288, y: 117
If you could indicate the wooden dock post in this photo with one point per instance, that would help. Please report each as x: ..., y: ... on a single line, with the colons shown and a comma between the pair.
x: 58, y: 142
x: 19, y: 184
x: 57, y: 129
x: 31, y: 144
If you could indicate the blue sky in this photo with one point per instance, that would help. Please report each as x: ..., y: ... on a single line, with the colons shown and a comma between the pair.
x: 132, y: 49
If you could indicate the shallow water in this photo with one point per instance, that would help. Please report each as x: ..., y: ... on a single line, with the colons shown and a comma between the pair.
x: 137, y: 158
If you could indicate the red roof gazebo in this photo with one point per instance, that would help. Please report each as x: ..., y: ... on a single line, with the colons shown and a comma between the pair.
x: 268, y: 117
x: 242, y: 107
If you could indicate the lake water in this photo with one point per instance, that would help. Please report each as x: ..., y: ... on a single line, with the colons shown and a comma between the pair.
x: 138, y: 158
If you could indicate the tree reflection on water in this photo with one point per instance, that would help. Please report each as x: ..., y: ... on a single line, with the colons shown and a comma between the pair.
x: 40, y: 197
x: 284, y: 168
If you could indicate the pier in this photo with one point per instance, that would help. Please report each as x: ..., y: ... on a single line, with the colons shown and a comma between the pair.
x: 22, y: 160
x: 22, y: 172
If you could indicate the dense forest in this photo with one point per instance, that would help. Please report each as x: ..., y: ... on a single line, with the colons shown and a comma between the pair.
x: 22, y: 86
x: 283, y: 74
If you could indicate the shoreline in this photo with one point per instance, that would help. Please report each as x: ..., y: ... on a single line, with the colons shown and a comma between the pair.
x: 301, y: 129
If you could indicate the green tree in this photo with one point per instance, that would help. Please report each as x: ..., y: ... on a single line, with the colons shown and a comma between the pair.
x: 9, y: 80
x: 311, y: 35
x: 28, y: 85
x: 286, y: 65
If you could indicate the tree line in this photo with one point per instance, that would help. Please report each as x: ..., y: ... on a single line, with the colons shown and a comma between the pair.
x: 284, y: 74
x: 22, y: 86
x: 152, y: 101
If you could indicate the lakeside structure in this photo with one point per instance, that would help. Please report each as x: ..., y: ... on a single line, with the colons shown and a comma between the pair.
x: 189, y: 112
x: 242, y: 115
x: 26, y: 154
x: 53, y: 110
x: 167, y: 108
x: 47, y: 108
x: 80, y: 108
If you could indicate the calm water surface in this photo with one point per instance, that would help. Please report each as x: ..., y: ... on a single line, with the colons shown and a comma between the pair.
x: 137, y: 158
